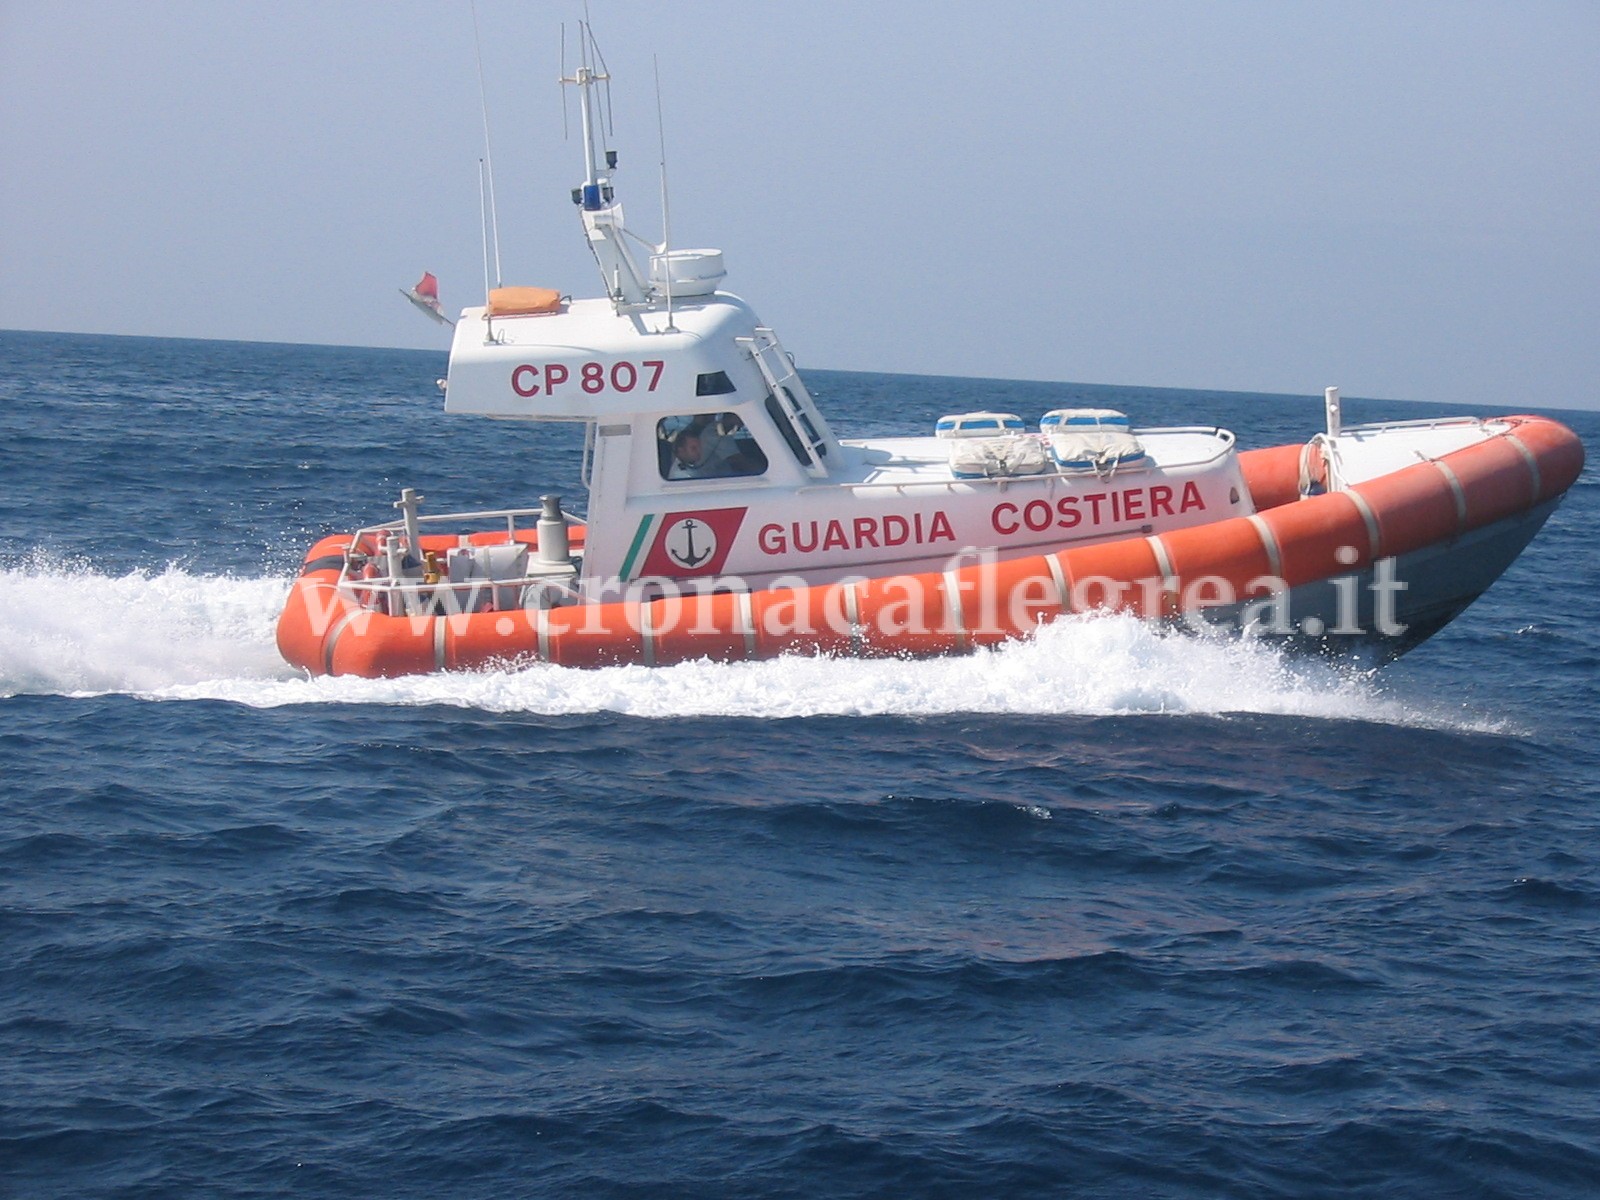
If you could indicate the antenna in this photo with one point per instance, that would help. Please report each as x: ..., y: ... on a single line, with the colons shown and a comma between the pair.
x: 666, y: 211
x: 600, y: 61
x: 605, y: 74
x: 486, y: 164
x: 566, y: 133
x: 483, y: 222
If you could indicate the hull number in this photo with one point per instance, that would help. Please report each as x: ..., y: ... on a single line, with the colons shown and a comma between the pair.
x: 535, y: 379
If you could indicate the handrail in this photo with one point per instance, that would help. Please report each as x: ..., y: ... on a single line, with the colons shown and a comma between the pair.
x: 415, y: 595
x: 1419, y: 423
x: 509, y: 513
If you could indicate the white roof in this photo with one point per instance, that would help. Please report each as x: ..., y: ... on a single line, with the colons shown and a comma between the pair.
x: 590, y: 361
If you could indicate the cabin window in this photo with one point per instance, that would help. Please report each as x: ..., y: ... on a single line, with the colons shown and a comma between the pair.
x: 707, y: 446
x: 714, y: 383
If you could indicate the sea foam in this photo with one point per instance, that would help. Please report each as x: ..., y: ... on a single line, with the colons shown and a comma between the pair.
x: 173, y: 635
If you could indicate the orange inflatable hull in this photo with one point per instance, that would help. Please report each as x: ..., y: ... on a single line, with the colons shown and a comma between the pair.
x: 1463, y: 513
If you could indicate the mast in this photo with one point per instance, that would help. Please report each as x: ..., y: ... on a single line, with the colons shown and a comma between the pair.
x: 601, y: 211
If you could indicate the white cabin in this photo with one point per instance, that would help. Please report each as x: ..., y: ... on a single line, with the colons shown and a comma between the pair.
x: 707, y: 458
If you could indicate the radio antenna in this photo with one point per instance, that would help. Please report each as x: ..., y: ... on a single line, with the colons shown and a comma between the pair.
x: 483, y: 224
x: 487, y: 165
x: 605, y: 75
x: 566, y: 133
x: 483, y: 227
x: 666, y: 211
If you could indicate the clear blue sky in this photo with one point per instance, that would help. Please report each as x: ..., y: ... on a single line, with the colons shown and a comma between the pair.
x: 1399, y: 198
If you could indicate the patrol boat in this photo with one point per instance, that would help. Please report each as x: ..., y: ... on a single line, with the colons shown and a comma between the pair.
x: 726, y: 520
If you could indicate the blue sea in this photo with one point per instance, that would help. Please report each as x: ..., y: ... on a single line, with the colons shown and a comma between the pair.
x: 1112, y: 913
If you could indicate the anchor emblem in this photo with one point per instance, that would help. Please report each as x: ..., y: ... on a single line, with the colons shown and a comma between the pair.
x: 679, y: 543
x: 685, y: 544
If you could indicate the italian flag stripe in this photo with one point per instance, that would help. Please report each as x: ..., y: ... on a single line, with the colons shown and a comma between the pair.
x: 638, y: 544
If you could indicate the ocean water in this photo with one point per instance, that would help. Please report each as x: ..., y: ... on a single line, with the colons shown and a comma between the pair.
x: 1110, y: 913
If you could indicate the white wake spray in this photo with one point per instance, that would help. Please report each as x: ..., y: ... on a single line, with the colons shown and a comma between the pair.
x: 172, y: 635
x: 66, y: 630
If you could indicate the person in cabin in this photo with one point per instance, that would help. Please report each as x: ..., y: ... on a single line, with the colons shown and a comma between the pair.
x: 714, y: 447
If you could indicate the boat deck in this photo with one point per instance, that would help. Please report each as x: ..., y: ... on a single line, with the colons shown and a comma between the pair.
x: 913, y: 460
x: 1368, y: 451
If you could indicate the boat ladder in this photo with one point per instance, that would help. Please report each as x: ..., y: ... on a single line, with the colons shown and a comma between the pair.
x: 811, y: 434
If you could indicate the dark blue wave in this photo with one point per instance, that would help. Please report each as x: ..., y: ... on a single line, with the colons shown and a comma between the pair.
x: 381, y: 949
